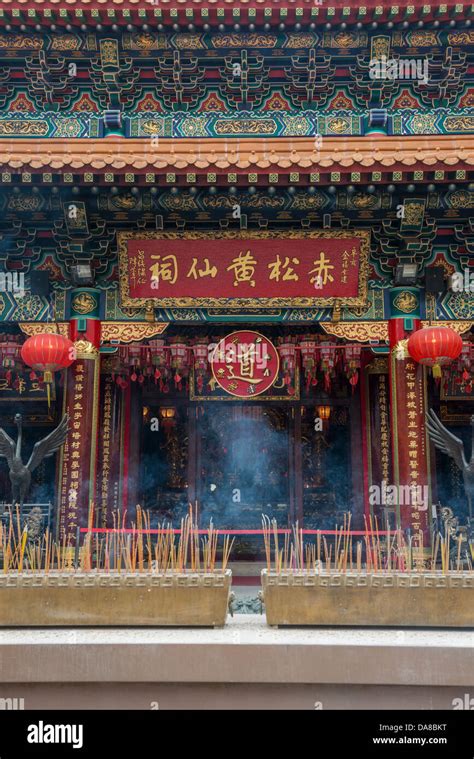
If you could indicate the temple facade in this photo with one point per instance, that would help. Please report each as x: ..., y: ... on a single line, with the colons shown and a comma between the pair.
x: 239, y: 213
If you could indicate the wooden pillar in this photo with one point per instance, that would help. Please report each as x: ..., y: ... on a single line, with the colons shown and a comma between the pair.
x: 110, y: 449
x: 375, y: 413
x: 298, y: 466
x: 132, y: 439
x: 81, y: 401
x: 409, y: 437
x: 193, y: 411
x: 291, y: 465
x: 357, y: 466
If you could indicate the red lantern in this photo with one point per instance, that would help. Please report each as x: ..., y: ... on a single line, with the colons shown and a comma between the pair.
x: 435, y: 347
x: 48, y: 353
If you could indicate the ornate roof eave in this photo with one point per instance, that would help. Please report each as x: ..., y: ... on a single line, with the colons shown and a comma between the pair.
x: 254, y: 159
x: 199, y: 12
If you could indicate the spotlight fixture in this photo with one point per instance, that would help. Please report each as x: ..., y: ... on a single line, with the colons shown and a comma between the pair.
x: 406, y: 274
x: 82, y: 275
x: 434, y: 280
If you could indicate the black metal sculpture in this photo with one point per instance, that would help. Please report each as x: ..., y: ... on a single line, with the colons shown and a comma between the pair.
x: 20, y: 475
x: 454, y: 447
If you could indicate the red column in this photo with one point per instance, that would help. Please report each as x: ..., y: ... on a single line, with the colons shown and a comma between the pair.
x: 410, y: 445
x: 81, y: 401
x: 375, y: 412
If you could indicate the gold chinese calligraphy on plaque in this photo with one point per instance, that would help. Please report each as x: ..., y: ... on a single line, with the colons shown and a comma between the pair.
x: 264, y: 269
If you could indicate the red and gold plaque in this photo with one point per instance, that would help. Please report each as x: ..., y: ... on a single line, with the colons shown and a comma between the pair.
x: 244, y: 269
x: 245, y: 363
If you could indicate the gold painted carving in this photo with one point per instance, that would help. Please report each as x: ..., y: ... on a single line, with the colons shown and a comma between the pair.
x: 14, y: 127
x: 414, y: 213
x: 400, y: 350
x: 460, y: 327
x: 358, y: 332
x: 124, y: 332
x: 128, y: 333
x: 39, y: 328
x: 85, y: 349
x: 249, y: 126
x: 84, y: 303
x: 406, y: 302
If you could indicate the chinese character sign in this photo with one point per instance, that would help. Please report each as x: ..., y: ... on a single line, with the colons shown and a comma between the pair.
x: 245, y: 363
x: 225, y: 269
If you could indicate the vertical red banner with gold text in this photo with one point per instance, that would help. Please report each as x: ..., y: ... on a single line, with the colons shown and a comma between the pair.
x: 410, y: 446
x: 79, y: 456
x: 110, y: 449
x: 410, y: 443
x: 376, y: 394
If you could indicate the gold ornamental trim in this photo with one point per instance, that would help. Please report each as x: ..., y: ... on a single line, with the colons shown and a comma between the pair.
x: 278, y: 302
x: 127, y: 332
x: 460, y: 327
x: 357, y: 332
x: 40, y: 328
x: 364, y: 332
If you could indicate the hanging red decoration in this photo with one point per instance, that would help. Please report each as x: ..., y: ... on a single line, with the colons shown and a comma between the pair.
x: 201, y: 361
x: 287, y: 351
x: 308, y: 359
x: 160, y: 360
x: 10, y: 358
x: 435, y: 347
x: 328, y: 362
x: 461, y: 371
x: 352, y: 364
x: 179, y: 361
x: 48, y: 353
x: 136, y: 360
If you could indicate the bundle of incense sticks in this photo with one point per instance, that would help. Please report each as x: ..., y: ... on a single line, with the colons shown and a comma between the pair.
x: 393, y: 552
x: 117, y: 550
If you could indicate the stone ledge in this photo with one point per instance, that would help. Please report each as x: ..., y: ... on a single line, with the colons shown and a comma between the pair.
x: 245, y: 651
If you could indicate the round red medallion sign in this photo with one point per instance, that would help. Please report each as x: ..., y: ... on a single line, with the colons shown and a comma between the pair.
x: 245, y: 363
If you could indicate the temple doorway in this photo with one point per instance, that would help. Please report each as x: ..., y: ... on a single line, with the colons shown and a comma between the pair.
x: 245, y: 466
x: 237, y: 460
